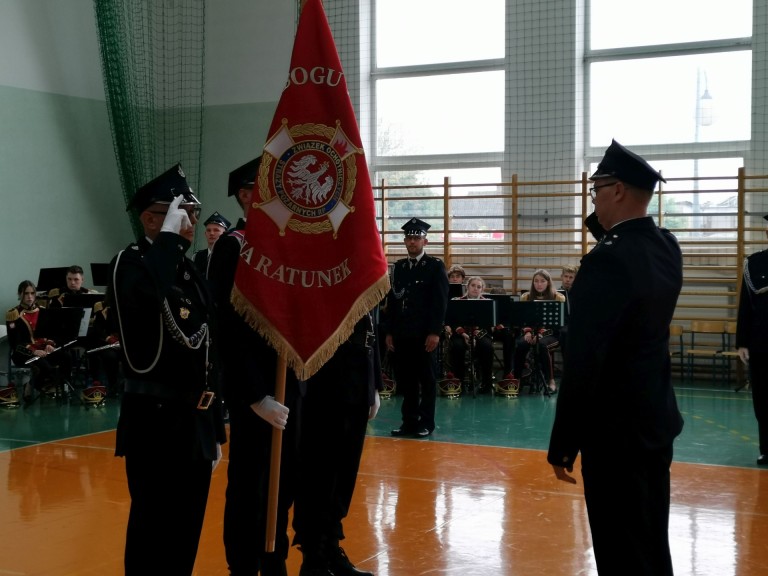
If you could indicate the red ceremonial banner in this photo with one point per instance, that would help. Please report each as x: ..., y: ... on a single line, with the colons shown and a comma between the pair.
x: 312, y: 262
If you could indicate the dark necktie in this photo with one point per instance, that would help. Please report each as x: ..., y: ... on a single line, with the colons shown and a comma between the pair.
x: 413, y: 262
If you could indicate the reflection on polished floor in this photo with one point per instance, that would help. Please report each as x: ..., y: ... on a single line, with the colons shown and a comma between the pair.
x: 477, y: 498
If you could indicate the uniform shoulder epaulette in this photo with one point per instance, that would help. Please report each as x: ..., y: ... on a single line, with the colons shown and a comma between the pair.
x: 53, y: 292
x: 98, y: 307
x: 12, y: 315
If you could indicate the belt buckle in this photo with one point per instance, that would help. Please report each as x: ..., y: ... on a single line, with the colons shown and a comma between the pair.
x: 206, y: 398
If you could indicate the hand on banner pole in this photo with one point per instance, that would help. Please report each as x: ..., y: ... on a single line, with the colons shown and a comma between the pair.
x: 373, y: 410
x: 272, y: 412
x: 176, y: 219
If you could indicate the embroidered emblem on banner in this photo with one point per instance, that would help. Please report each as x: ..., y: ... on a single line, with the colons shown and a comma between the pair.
x: 307, y: 178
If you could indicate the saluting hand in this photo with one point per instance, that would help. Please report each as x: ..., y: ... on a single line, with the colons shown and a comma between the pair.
x: 177, y: 219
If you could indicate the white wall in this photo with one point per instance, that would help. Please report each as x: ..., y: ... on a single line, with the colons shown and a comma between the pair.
x: 60, y: 197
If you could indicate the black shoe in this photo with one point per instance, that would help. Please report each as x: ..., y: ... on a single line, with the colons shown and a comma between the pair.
x: 305, y: 571
x: 341, y: 566
x: 762, y: 460
x: 402, y: 431
x: 422, y: 432
x: 272, y: 565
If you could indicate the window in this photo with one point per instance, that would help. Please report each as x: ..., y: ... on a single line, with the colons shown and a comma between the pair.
x: 677, y: 84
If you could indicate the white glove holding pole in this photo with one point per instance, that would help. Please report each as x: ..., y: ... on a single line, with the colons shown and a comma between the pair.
x: 177, y: 218
x: 272, y: 412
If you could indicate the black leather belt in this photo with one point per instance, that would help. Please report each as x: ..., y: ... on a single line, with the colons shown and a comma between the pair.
x: 162, y: 390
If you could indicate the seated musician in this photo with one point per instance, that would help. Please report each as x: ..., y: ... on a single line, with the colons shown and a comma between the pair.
x: 21, y: 321
x: 459, y: 340
x: 541, y: 289
x: 104, y: 350
x: 57, y: 297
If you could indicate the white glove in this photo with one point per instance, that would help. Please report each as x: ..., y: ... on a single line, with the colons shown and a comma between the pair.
x: 272, y: 412
x: 373, y: 410
x: 218, y: 456
x: 176, y: 218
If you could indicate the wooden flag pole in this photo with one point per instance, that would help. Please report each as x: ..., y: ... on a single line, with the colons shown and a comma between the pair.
x: 274, y: 464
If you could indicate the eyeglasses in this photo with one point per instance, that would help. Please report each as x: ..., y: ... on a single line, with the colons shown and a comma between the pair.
x: 191, y: 211
x: 593, y: 190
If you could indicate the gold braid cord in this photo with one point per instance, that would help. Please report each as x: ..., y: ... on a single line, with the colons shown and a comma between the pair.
x: 304, y: 370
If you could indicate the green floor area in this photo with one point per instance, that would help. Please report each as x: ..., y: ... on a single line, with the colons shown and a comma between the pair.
x: 720, y: 426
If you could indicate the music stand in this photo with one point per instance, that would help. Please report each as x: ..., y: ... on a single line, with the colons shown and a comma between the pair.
x: 100, y: 274
x: 503, y: 307
x: 50, y: 278
x: 537, y: 314
x: 82, y: 300
x: 455, y: 290
x: 62, y: 325
x: 471, y: 313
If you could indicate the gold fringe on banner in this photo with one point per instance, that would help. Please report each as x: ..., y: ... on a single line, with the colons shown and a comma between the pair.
x: 304, y: 370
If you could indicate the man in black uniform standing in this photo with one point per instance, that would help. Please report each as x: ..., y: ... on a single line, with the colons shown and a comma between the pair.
x: 752, y: 340
x: 170, y: 427
x: 340, y: 399
x: 616, y: 404
x: 248, y: 376
x: 415, y: 316
x: 215, y: 226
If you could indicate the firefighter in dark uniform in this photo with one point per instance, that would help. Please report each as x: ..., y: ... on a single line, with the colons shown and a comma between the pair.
x: 248, y: 381
x: 215, y: 226
x: 171, y: 426
x: 339, y: 400
x: 415, y: 315
x: 752, y: 339
x: 616, y: 404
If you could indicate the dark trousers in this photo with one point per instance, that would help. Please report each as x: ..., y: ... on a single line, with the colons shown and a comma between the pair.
x: 544, y: 355
x: 482, y: 353
x: 333, y: 426
x: 245, y: 510
x: 169, y: 493
x: 415, y: 372
x: 105, y: 367
x: 507, y: 338
x: 627, y: 495
x: 758, y: 377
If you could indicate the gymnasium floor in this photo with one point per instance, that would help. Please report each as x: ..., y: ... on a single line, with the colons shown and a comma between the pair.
x: 476, y: 498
